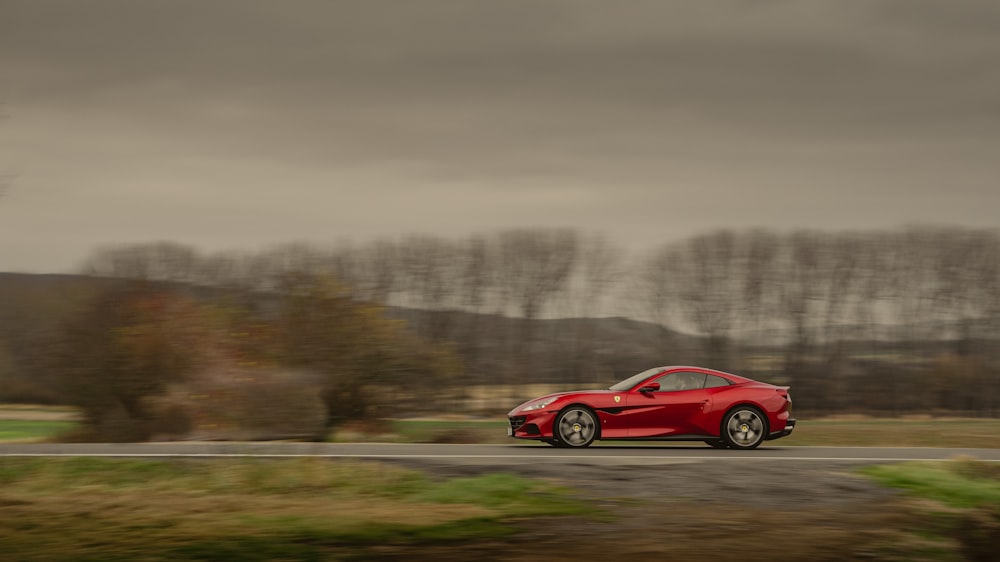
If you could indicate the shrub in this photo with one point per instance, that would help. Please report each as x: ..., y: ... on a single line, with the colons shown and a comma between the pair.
x: 256, y: 404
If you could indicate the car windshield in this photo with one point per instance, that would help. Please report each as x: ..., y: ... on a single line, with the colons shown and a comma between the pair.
x: 636, y: 379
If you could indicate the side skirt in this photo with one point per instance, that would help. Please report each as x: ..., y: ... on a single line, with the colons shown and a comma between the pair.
x: 691, y: 437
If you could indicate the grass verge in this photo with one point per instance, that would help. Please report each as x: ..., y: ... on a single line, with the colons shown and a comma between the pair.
x: 961, y: 483
x: 962, y: 503
x: 299, y: 509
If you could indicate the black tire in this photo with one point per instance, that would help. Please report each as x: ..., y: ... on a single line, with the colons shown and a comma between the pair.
x: 717, y: 444
x: 744, y: 427
x: 576, y: 426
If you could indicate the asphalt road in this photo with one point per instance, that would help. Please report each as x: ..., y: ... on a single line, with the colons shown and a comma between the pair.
x: 600, y: 455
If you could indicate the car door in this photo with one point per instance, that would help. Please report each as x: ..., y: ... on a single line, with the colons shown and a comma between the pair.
x: 676, y: 408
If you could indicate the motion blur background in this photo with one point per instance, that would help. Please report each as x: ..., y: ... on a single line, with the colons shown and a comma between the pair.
x: 252, y: 219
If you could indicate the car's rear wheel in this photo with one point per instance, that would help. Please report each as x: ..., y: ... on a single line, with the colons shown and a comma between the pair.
x: 744, y: 427
x: 718, y: 444
x: 576, y: 426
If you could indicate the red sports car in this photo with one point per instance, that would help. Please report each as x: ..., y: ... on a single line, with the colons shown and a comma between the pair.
x: 664, y: 403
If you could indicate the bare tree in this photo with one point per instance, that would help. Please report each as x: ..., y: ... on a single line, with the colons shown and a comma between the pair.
x: 650, y: 291
x: 476, y: 263
x: 597, y: 269
x: 534, y: 265
x: 760, y: 250
x: 372, y: 269
x: 428, y: 267
x: 707, y: 290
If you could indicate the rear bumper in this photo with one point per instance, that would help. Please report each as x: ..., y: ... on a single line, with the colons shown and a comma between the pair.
x: 789, y: 427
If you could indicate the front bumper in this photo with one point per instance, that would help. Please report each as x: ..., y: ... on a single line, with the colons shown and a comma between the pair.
x: 789, y: 427
x: 530, y: 425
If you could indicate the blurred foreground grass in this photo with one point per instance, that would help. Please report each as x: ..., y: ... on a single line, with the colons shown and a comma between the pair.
x: 301, y: 509
x: 958, y: 483
x: 959, y: 505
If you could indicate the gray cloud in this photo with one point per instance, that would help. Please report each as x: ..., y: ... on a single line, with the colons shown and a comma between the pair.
x: 241, y: 123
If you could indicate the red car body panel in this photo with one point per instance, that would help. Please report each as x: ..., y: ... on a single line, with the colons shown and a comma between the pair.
x: 687, y: 414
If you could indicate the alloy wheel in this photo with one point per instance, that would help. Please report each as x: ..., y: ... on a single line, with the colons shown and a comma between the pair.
x: 745, y: 428
x: 577, y: 427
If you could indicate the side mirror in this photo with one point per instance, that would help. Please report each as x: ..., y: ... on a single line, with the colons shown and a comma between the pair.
x: 651, y: 387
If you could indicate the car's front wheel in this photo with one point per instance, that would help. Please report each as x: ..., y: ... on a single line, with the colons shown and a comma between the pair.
x: 576, y: 426
x: 744, y: 427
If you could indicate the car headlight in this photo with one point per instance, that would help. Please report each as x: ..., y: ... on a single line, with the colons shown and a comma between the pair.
x: 538, y: 404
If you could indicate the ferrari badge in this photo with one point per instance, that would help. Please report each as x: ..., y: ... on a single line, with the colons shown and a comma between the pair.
x: 618, y: 399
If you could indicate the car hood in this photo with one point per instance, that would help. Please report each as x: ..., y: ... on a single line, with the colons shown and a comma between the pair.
x: 558, y: 395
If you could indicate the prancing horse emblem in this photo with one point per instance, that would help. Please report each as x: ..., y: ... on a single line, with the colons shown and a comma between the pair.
x: 618, y: 399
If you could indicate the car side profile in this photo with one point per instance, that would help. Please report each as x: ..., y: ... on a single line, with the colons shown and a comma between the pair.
x: 674, y: 403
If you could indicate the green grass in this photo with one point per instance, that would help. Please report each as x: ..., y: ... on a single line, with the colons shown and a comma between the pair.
x: 299, y: 509
x: 958, y: 483
x: 32, y: 430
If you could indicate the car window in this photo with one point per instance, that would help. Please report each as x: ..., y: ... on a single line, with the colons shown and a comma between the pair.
x: 630, y: 382
x: 712, y: 381
x: 673, y: 382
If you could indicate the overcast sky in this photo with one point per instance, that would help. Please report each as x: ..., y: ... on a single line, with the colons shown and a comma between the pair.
x: 243, y: 124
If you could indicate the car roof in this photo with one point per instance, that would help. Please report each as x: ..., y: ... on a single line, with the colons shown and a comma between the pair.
x: 730, y: 376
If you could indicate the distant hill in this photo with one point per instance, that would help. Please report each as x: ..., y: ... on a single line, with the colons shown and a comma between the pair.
x: 553, y: 350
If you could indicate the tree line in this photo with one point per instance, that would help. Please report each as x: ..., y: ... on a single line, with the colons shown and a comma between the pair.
x: 904, y: 320
x: 295, y: 340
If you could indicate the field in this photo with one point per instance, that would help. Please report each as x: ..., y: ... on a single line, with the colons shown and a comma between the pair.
x: 26, y: 423
x: 32, y: 430
x: 304, y: 509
